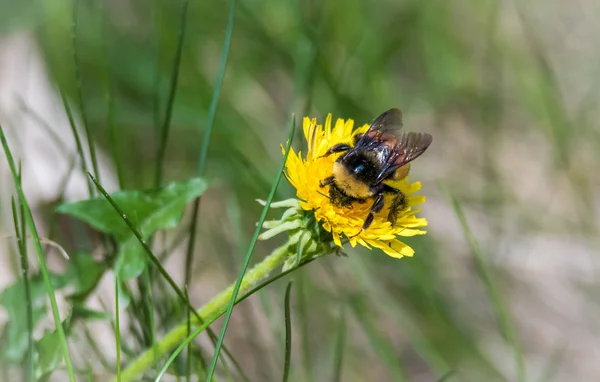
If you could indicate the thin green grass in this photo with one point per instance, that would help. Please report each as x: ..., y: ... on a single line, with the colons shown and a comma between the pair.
x: 204, y: 153
x: 21, y: 232
x: 212, y: 112
x: 318, y: 58
x: 113, y: 135
x: 53, y: 135
x: 229, y: 354
x: 149, y: 306
x: 90, y: 372
x: 207, y: 135
x: 381, y: 345
x: 484, y: 272
x: 288, y: 333
x: 114, y: 145
x: 213, y: 318
x: 117, y: 328
x: 304, y: 326
x: 340, y: 347
x: 188, y: 361
x: 153, y: 258
x: 96, y: 351
x: 166, y: 126
x: 388, y: 305
x: 79, y: 145
x: 446, y: 377
x: 41, y: 258
x: 238, y: 282
x: 79, y: 86
x: 549, y: 371
x: 141, y: 240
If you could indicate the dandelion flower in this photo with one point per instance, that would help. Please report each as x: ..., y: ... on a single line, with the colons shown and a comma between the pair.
x: 344, y: 223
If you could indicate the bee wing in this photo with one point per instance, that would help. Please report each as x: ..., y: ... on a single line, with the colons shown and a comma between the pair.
x: 388, y: 122
x: 384, y: 129
x: 409, y: 146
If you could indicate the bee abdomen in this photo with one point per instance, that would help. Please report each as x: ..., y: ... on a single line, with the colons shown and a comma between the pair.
x: 402, y: 172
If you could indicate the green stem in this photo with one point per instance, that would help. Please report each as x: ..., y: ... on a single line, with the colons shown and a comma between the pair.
x: 214, y: 307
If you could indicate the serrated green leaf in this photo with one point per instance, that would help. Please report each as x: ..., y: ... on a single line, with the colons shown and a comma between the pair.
x: 150, y: 210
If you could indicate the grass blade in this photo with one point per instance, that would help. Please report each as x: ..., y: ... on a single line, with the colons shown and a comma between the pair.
x: 110, y: 100
x: 41, y: 257
x: 77, y: 138
x: 207, y: 134
x: 188, y: 361
x: 217, y: 90
x: 214, y: 317
x: 155, y: 261
x: 117, y: 328
x: 140, y: 239
x: 156, y: 82
x: 79, y: 85
x: 96, y: 352
x: 148, y: 304
x: 303, y: 315
x: 381, y: 345
x: 446, y: 377
x: 238, y: 282
x: 204, y: 150
x: 501, y: 309
x: 388, y: 305
x: 166, y: 127
x: 21, y: 232
x: 554, y: 363
x: 288, y: 333
x: 339, y: 349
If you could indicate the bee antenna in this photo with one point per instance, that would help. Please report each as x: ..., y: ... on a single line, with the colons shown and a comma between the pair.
x: 327, y: 196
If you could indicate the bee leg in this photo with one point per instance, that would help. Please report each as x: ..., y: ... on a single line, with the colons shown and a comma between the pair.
x: 340, y: 147
x: 375, y: 208
x: 398, y: 203
x: 357, y: 138
x: 327, y: 181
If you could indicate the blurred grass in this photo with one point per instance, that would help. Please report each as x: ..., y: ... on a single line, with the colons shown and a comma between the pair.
x: 61, y: 340
x: 21, y: 232
x: 452, y: 68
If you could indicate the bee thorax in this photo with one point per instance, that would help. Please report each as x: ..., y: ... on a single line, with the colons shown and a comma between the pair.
x: 349, y: 184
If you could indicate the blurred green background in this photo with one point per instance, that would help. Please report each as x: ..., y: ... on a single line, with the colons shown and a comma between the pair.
x: 508, y: 90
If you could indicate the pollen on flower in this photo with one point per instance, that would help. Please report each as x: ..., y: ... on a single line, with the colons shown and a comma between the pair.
x: 305, y: 172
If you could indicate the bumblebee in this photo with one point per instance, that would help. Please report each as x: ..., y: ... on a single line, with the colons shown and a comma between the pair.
x: 383, y: 152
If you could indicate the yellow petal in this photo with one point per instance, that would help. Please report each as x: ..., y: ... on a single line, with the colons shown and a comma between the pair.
x: 337, y: 240
x: 306, y: 127
x: 394, y: 248
x: 414, y: 200
x: 328, y: 126
x: 407, y: 232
